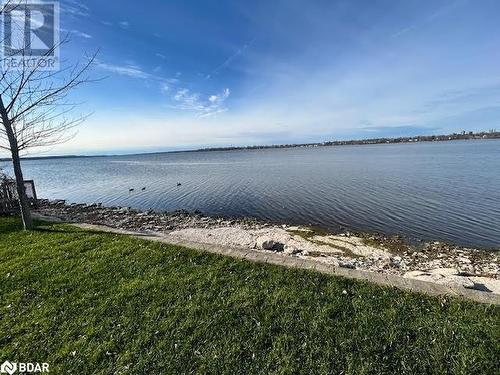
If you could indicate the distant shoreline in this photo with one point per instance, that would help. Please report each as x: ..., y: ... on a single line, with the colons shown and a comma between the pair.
x: 371, y: 141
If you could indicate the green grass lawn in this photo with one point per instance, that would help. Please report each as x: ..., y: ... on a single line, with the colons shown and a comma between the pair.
x: 96, y: 303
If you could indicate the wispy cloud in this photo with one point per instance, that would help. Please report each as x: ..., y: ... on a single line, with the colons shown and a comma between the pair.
x: 124, y: 24
x: 229, y: 60
x: 78, y: 33
x: 404, y: 31
x: 455, y: 101
x: 219, y: 98
x: 18, y: 23
x: 431, y: 17
x: 195, y: 102
x: 128, y: 70
x: 75, y: 9
x: 132, y: 70
x: 165, y: 87
x: 183, y: 99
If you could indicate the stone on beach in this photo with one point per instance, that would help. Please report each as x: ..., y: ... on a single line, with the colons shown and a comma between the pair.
x: 267, y: 243
x: 438, y: 263
x: 291, y: 249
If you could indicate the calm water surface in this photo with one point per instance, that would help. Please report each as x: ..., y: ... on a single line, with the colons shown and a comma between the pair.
x: 445, y: 191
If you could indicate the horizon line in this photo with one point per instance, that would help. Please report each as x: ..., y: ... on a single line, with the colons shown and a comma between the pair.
x: 470, y: 135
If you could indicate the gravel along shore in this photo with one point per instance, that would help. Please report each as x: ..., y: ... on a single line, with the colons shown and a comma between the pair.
x: 435, y: 262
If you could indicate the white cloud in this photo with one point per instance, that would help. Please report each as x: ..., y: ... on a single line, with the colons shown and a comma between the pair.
x: 75, y: 9
x: 165, y: 88
x: 187, y: 100
x: 125, y: 70
x: 124, y: 24
x: 132, y: 70
x: 212, y: 112
x: 214, y: 104
x: 80, y: 34
x: 215, y: 99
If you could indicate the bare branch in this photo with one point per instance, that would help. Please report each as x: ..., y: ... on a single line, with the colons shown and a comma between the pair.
x: 36, y: 104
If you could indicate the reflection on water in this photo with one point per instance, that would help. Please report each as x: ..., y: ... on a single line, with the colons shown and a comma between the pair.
x: 447, y: 191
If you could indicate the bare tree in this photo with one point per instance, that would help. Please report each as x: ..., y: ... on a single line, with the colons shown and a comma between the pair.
x: 35, y: 111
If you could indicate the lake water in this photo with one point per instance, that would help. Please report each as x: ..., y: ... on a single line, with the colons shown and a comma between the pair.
x: 444, y: 191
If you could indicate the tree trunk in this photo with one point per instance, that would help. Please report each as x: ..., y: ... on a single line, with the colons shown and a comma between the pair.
x: 24, y: 205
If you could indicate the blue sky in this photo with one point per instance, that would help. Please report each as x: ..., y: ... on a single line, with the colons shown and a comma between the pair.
x: 187, y: 74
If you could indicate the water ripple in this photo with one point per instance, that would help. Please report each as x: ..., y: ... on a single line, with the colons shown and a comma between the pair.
x: 447, y: 191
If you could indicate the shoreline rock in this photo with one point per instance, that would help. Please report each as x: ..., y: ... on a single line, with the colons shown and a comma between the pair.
x: 434, y: 261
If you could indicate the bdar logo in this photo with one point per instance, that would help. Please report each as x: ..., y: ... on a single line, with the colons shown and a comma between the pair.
x: 8, y: 367
x: 23, y: 367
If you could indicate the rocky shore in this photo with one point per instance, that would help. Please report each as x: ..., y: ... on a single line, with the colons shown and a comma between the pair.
x: 435, y: 261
